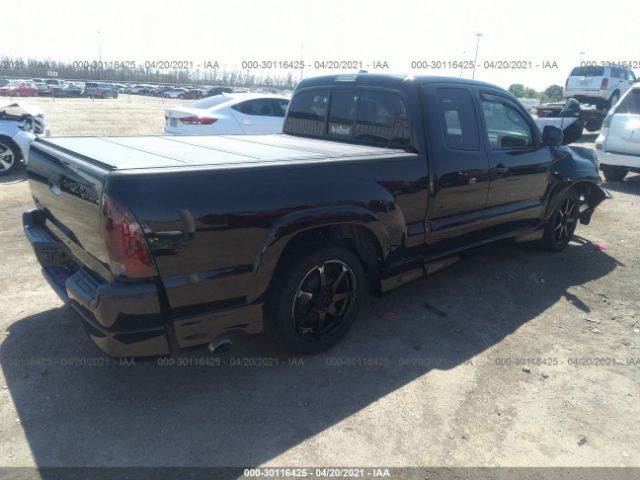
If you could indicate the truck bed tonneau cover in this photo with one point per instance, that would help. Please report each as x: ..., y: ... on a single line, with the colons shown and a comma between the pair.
x: 124, y: 153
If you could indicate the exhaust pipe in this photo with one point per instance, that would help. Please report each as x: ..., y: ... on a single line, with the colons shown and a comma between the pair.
x: 220, y: 344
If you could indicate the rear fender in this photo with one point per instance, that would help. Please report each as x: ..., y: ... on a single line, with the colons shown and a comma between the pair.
x: 295, y: 223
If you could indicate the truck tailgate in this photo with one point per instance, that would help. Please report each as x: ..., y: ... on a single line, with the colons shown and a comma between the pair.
x: 68, y: 190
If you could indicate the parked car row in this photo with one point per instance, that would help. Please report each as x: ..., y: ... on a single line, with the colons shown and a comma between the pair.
x: 66, y: 88
x: 181, y: 92
x: 57, y: 88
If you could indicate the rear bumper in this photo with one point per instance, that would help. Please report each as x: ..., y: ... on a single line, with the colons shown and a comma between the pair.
x: 122, y: 319
x: 127, y: 319
x: 619, y: 159
x: 576, y: 92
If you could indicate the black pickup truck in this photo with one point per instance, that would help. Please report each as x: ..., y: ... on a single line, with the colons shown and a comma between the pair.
x: 166, y: 243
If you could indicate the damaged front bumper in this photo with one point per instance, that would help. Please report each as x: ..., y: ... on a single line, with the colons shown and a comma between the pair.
x: 590, y: 200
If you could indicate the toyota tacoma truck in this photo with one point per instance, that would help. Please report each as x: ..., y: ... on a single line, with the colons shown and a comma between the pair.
x: 165, y: 243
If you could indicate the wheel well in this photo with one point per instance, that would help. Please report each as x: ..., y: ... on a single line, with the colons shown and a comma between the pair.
x: 356, y: 238
x: 9, y: 141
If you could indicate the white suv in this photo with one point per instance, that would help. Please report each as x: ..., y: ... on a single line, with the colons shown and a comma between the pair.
x: 618, y: 145
x: 598, y: 85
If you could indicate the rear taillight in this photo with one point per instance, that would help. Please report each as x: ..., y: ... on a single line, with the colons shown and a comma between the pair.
x: 198, y: 120
x: 604, y: 83
x: 123, y: 237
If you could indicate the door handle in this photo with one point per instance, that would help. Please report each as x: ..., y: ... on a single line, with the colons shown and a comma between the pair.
x: 500, y: 169
x: 247, y: 122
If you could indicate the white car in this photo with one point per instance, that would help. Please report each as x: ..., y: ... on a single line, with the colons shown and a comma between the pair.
x: 136, y: 89
x: 618, y: 145
x: 228, y: 114
x: 598, y: 85
x: 19, y: 126
x: 174, y: 92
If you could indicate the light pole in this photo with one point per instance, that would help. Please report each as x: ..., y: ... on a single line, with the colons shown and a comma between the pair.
x: 475, y: 60
x: 99, y: 49
x: 581, y: 57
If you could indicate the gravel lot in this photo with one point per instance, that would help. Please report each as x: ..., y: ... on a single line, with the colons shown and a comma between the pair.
x: 511, y: 357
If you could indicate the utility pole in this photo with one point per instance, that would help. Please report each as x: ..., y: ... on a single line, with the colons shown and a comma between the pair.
x: 99, y: 49
x: 475, y: 60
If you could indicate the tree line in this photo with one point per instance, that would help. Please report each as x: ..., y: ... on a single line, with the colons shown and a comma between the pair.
x: 17, y: 67
x: 553, y: 93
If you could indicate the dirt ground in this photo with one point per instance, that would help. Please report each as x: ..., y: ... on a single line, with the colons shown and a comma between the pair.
x: 511, y: 357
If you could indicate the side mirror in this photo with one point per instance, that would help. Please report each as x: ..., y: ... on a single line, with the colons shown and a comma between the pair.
x: 551, y: 136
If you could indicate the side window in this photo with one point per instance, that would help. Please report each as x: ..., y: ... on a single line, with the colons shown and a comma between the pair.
x: 631, y: 76
x: 615, y: 72
x: 342, y: 114
x: 506, y: 126
x: 280, y: 107
x: 458, y: 119
x: 307, y: 113
x: 262, y: 107
x: 382, y: 118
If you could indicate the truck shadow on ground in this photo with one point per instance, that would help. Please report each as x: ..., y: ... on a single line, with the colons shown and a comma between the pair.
x: 79, y: 408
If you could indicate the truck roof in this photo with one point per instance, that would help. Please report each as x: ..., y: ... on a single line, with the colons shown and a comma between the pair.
x: 386, y: 80
x: 144, y: 152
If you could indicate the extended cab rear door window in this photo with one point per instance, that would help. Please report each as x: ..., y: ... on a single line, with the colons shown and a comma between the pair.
x: 308, y: 113
x: 459, y: 119
x: 507, y: 127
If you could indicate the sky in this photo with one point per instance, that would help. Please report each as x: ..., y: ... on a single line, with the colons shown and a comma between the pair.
x: 399, y: 33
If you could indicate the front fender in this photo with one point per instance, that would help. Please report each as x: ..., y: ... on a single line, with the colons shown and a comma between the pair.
x: 576, y: 167
x: 287, y: 227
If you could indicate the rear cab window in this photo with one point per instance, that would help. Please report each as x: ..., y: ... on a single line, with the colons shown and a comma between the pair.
x: 308, y: 114
x: 363, y: 115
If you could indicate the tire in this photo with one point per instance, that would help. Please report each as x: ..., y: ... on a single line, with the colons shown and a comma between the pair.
x: 306, y: 317
x: 562, y: 225
x: 615, y: 96
x: 9, y: 156
x: 614, y: 173
x: 181, y: 97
